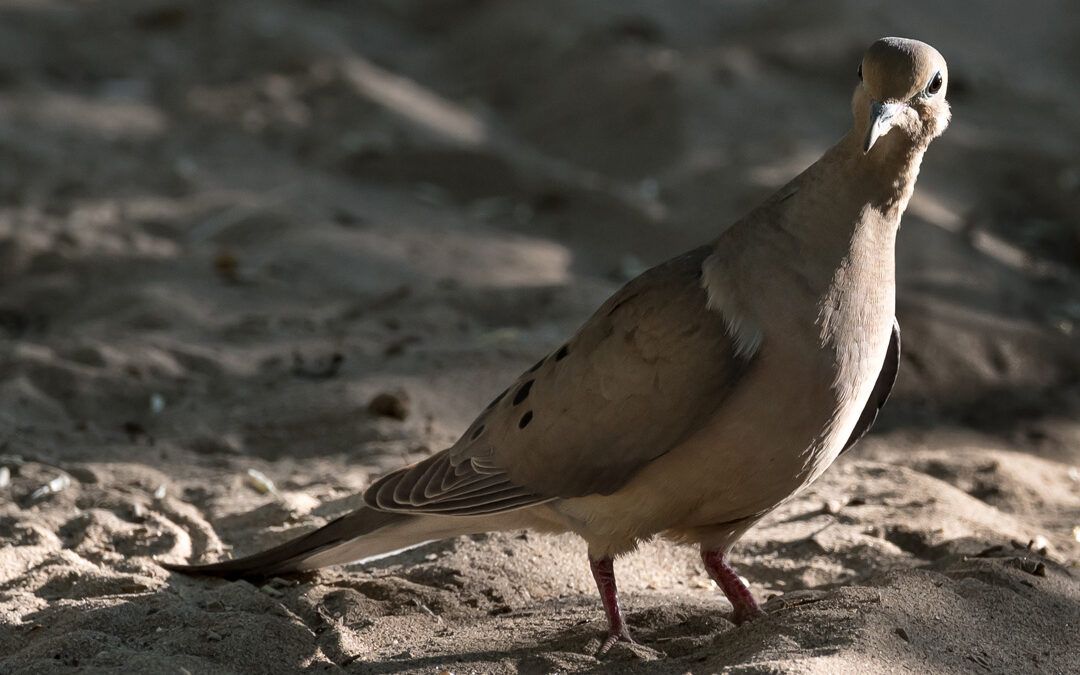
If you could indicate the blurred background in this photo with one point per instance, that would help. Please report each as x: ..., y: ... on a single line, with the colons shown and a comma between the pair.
x: 313, y: 238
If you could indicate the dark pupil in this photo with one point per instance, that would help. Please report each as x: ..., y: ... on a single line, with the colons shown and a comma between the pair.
x: 935, y: 84
x: 860, y: 71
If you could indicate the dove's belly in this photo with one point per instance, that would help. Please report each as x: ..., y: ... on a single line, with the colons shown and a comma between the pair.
x: 764, y: 445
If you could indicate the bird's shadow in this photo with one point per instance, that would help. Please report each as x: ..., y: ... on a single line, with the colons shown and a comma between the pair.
x: 662, y: 635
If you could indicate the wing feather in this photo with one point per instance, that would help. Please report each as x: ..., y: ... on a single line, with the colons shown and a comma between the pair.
x: 582, y: 421
x: 882, y: 388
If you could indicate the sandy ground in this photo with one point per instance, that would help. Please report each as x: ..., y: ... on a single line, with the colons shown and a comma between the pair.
x: 226, y: 227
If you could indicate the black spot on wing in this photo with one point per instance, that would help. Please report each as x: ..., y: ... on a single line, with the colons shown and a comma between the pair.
x: 561, y: 354
x: 525, y: 419
x: 523, y: 392
x: 479, y: 430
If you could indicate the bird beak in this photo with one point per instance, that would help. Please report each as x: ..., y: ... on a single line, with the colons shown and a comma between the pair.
x: 881, y: 120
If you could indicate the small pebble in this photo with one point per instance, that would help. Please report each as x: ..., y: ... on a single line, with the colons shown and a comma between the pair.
x: 261, y: 482
x: 278, y: 582
x: 226, y: 265
x: 57, y: 484
x: 390, y: 404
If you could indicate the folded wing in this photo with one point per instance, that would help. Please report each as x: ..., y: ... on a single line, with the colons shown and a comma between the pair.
x: 584, y: 419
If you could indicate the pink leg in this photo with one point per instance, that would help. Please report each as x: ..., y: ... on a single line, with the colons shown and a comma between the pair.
x: 746, y: 608
x: 604, y: 572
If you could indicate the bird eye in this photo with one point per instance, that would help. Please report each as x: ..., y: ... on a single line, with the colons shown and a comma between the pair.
x: 935, y: 84
x: 860, y: 72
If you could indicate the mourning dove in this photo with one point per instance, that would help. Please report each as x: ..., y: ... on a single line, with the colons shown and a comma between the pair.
x: 701, y: 395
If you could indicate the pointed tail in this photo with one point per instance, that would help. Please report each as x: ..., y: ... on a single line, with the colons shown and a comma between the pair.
x: 364, y: 533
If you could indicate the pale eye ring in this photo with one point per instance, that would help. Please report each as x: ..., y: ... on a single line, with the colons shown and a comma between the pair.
x: 934, y: 86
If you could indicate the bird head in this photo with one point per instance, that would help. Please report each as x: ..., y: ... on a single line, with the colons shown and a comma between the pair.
x: 901, y: 94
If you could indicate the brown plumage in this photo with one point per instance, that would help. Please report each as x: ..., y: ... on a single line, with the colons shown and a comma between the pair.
x: 704, y: 392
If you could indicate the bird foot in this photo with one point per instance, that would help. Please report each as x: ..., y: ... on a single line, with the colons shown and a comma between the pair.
x: 604, y: 573
x: 746, y: 613
x: 741, y: 599
x: 612, y: 638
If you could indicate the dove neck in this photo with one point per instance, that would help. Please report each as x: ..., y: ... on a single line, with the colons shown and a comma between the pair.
x: 885, y: 177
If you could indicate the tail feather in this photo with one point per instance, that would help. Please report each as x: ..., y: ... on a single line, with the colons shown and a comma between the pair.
x: 360, y: 534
